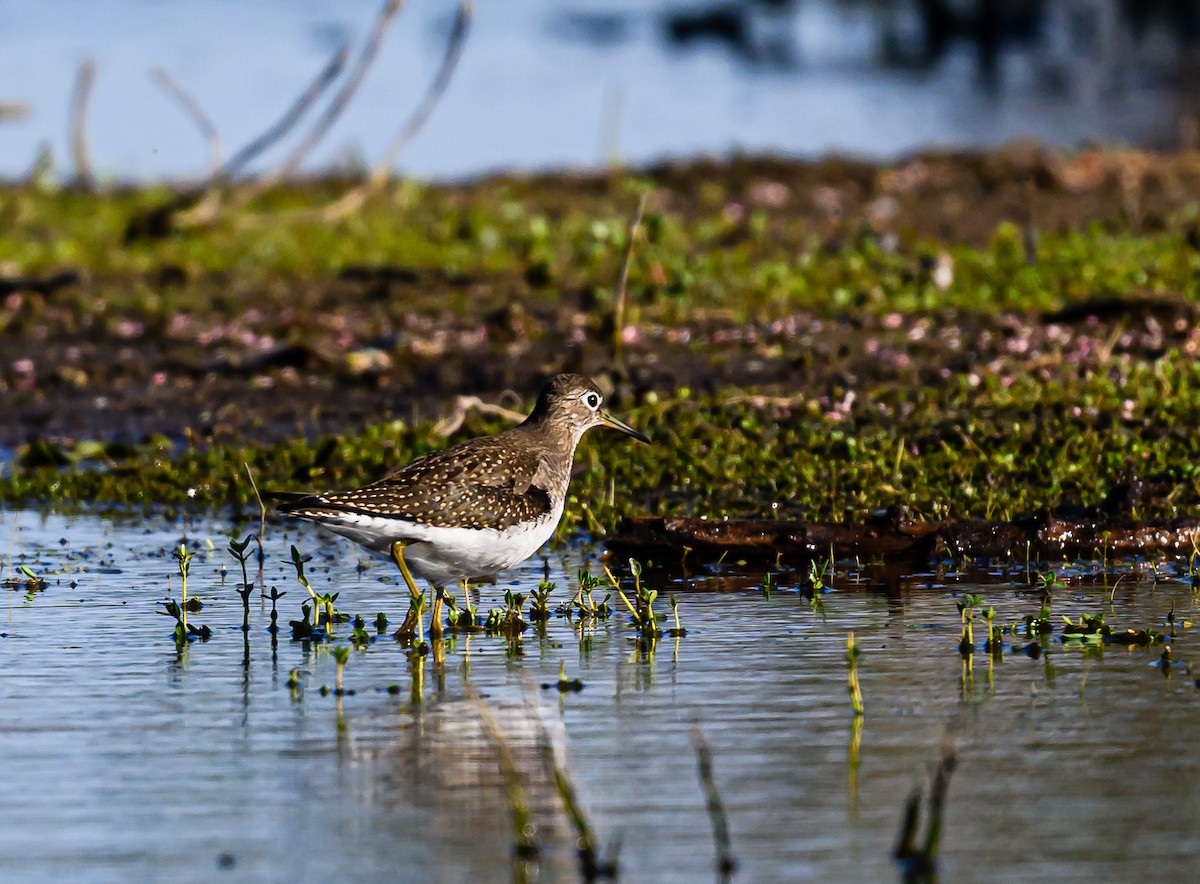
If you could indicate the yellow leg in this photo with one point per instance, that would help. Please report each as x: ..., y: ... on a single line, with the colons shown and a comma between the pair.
x: 410, y: 626
x: 435, y: 617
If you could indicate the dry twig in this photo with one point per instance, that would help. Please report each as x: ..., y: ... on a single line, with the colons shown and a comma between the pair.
x: 380, y: 173
x: 192, y: 108
x: 84, y: 80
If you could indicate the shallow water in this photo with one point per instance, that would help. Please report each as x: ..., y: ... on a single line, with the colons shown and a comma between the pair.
x: 126, y: 761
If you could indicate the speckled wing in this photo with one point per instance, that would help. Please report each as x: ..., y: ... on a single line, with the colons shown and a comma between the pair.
x: 481, y: 484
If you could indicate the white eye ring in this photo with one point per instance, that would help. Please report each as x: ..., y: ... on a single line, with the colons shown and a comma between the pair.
x: 591, y: 400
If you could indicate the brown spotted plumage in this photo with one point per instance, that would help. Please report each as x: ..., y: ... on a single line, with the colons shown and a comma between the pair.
x: 478, y: 507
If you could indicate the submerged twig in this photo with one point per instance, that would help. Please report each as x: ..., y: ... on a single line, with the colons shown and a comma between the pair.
x: 80, y: 99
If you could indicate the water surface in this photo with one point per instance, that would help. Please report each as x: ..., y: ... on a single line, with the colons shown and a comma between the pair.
x: 126, y: 760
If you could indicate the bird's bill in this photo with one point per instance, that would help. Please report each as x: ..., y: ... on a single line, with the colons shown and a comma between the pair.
x: 609, y: 421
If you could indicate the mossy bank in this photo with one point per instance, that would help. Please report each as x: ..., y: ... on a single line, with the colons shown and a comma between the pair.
x: 967, y: 335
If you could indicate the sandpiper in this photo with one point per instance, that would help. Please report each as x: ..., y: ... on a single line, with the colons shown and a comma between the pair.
x: 474, y: 509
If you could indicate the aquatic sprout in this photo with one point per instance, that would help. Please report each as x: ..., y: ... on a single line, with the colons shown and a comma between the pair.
x: 678, y: 630
x: 995, y: 640
x: 304, y: 628
x: 183, y: 632
x: 852, y: 654
x: 183, y: 559
x: 341, y: 653
x: 966, y: 615
x: 1088, y: 629
x: 381, y: 623
x: 644, y: 618
x: 238, y: 551
x: 564, y: 685
x: 765, y: 585
x: 539, y: 608
x: 274, y: 596
x: 359, y: 637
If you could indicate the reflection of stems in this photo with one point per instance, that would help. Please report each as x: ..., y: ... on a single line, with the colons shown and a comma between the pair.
x: 525, y: 844
x: 726, y: 863
x: 853, y: 761
x: 920, y: 863
x: 852, y: 652
x: 417, y: 693
x: 584, y: 837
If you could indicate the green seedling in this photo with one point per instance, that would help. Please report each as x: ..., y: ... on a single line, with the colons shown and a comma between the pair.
x: 1088, y: 629
x: 33, y: 582
x: 295, y: 683
x: 603, y: 610
x: 539, y: 608
x: 587, y: 583
x: 381, y: 623
x: 644, y: 618
x: 852, y: 654
x: 966, y: 615
x: 416, y: 607
x: 303, y: 628
x: 360, y: 638
x: 995, y: 640
x: 341, y: 653
x: 765, y: 585
x: 275, y: 596
x: 331, y: 616
x: 184, y: 632
x: 564, y: 685
x: 298, y: 563
x: 679, y: 630
x: 183, y: 559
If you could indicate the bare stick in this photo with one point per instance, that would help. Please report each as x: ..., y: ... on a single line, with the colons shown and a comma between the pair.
x: 291, y: 116
x: 262, y: 528
x: 84, y: 80
x: 623, y: 278
x: 192, y: 108
x: 340, y: 100
x: 437, y: 88
x: 464, y: 405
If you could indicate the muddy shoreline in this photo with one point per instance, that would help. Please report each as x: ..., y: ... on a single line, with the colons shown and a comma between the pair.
x: 967, y: 321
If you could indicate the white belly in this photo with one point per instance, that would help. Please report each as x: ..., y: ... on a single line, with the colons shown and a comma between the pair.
x: 445, y: 555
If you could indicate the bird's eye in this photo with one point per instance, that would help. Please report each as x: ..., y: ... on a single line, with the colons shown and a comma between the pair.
x: 592, y: 400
